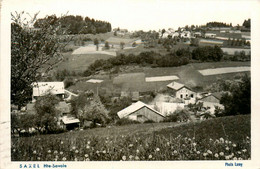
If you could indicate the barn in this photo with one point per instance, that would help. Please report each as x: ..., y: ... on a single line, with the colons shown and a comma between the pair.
x: 141, y: 112
x: 181, y: 91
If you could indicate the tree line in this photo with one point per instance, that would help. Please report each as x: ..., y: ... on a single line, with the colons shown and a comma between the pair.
x: 76, y: 24
x: 178, y: 57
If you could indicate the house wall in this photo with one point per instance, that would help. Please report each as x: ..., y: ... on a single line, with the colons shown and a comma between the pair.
x: 211, y: 105
x: 185, y: 93
x: 145, y: 114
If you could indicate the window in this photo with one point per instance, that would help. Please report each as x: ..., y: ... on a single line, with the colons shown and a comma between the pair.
x: 181, y: 95
x: 139, y: 116
x: 191, y: 95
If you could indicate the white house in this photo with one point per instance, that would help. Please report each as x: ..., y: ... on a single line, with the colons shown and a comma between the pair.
x: 182, y: 92
x: 44, y: 88
x: 141, y: 112
x: 210, y: 35
x: 186, y: 34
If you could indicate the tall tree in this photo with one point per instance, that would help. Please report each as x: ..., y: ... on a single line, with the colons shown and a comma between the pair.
x: 33, y: 52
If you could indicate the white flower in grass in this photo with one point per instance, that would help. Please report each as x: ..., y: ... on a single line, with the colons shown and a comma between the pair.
x: 61, y: 142
x: 194, y: 144
x: 210, y: 152
x: 239, y: 152
x: 221, y: 140
x: 75, y: 159
x: 34, y: 152
x: 137, y: 151
x: 150, y: 156
x: 157, y: 149
x: 77, y: 151
x: 234, y: 145
x: 88, y: 142
x: 168, y: 143
x: 97, y: 152
x: 61, y: 153
x: 198, y: 152
x: 227, y: 157
x: 87, y: 147
x: 232, y: 154
x: 216, y: 155
x: 131, y: 145
x: 136, y: 158
x: 104, y: 151
x: 55, y: 152
x: 205, y: 154
x: 227, y: 148
x: 240, y: 158
x: 124, y: 158
x: 229, y: 142
x: 234, y: 158
x: 73, y: 147
x: 244, y: 150
x: 38, y: 158
x: 221, y: 154
x: 130, y: 157
x: 49, y: 151
x: 64, y: 159
x: 226, y: 141
x: 87, y: 159
x: 86, y: 155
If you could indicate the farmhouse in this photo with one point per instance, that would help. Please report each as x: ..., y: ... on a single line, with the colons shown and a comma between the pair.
x: 140, y: 112
x: 211, y: 100
x: 44, y: 88
x: 210, y: 35
x: 69, y: 122
x: 181, y: 91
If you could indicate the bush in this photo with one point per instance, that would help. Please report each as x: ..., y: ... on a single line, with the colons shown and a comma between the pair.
x: 171, y: 118
x: 149, y: 121
x: 126, y: 121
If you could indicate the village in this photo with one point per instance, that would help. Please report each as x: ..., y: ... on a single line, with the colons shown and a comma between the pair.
x: 83, y: 89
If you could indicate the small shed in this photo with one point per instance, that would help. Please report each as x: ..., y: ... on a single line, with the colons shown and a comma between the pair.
x: 69, y: 123
x: 141, y: 112
x: 211, y: 100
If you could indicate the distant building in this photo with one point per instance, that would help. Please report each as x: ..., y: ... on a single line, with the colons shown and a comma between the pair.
x: 44, y: 88
x: 166, y: 108
x: 186, y: 34
x: 181, y: 91
x: 197, y: 34
x: 141, y: 112
x: 210, y: 35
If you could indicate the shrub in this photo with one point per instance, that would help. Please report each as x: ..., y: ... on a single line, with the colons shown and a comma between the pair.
x: 126, y: 121
x: 149, y: 121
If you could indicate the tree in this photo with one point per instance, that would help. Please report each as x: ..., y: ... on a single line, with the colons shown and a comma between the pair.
x: 87, y: 107
x: 238, y: 101
x: 96, y: 42
x: 107, y: 45
x: 122, y: 44
x: 47, y: 114
x: 33, y: 52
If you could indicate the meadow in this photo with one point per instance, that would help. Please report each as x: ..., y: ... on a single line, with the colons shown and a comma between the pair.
x: 216, y: 139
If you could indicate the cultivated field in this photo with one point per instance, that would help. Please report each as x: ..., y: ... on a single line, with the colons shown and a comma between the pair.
x: 216, y: 71
x: 217, y: 139
x: 187, y: 74
x: 231, y: 51
x: 91, y: 49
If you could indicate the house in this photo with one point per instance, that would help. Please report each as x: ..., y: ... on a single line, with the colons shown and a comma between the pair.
x: 141, y: 112
x: 210, y: 35
x: 186, y: 34
x: 197, y: 34
x: 211, y: 100
x: 181, y: 91
x: 44, y: 88
x: 167, y: 108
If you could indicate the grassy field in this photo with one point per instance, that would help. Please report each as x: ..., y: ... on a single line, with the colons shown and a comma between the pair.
x: 225, y: 138
x: 79, y: 63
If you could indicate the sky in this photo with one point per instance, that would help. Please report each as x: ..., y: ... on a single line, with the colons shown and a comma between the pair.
x: 142, y: 14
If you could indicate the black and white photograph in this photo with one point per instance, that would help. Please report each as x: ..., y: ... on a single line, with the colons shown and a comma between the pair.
x: 129, y: 82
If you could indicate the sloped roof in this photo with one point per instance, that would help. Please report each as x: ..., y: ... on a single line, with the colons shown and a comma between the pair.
x: 133, y: 108
x: 43, y: 88
x: 69, y: 120
x: 175, y: 85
